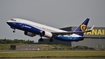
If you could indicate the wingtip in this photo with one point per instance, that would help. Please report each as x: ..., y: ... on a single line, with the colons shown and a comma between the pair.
x: 92, y: 27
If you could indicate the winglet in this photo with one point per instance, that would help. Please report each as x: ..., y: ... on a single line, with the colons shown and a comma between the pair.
x: 90, y: 29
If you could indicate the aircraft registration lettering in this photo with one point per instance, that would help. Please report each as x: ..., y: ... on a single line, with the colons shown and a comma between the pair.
x: 96, y: 32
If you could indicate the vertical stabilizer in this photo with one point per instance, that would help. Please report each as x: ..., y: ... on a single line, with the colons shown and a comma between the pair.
x: 82, y: 27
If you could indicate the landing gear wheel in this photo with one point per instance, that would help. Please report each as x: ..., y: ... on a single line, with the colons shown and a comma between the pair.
x: 40, y: 40
x: 51, y: 40
x: 13, y: 31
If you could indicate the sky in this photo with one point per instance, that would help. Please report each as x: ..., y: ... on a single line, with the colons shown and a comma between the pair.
x: 55, y: 13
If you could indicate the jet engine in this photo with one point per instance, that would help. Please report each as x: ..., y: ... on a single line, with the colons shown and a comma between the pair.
x: 46, y: 34
x: 29, y: 34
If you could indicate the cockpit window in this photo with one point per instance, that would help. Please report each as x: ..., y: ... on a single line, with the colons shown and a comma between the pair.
x: 13, y: 20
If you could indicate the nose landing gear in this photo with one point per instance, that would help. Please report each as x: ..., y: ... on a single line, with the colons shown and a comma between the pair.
x: 14, y: 31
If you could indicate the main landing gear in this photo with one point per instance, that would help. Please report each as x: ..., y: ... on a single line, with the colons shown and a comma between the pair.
x: 41, y: 39
x: 51, y: 39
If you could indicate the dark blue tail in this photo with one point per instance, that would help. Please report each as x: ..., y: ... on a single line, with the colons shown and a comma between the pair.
x: 82, y: 27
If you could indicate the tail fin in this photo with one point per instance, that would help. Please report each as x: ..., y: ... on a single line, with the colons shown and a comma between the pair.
x: 82, y: 27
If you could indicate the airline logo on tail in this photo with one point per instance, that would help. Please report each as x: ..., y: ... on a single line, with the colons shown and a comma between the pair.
x: 83, y: 27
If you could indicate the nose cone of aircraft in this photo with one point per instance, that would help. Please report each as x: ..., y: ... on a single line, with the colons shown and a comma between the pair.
x: 9, y: 23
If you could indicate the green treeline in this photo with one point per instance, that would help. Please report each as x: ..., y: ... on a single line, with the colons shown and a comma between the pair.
x: 15, y: 41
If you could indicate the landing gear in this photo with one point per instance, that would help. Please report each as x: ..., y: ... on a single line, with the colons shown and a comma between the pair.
x: 51, y: 40
x: 76, y: 41
x: 40, y: 40
x: 14, y: 31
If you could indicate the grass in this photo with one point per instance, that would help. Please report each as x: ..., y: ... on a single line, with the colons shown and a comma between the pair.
x: 4, y: 46
x: 50, y: 54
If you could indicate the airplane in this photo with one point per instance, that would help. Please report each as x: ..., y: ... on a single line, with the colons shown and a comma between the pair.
x: 33, y: 28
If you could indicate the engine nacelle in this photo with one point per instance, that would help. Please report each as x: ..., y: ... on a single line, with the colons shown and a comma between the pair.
x: 29, y: 34
x: 46, y: 34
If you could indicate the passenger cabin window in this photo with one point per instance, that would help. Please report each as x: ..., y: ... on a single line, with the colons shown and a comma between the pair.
x: 13, y: 20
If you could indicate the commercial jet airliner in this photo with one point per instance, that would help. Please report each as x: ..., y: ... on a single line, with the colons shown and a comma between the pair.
x: 32, y: 29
